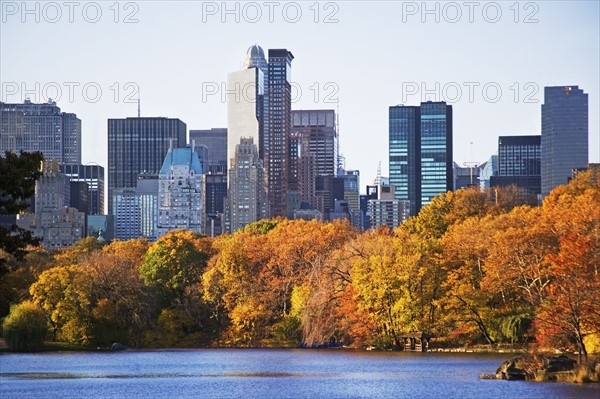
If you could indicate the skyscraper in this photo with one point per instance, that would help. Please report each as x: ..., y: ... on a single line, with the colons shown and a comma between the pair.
x: 246, y: 195
x: 420, y: 151
x: 244, y: 109
x: 40, y: 127
x: 519, y: 163
x: 318, y: 127
x: 255, y: 58
x: 93, y: 176
x: 279, y: 116
x: 137, y: 145
x: 215, y: 140
x: 564, y: 134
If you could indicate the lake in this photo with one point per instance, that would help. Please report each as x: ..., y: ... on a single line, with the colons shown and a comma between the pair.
x: 263, y: 373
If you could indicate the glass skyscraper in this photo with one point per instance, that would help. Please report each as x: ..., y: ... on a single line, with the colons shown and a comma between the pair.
x: 420, y: 152
x: 519, y: 163
x: 564, y: 134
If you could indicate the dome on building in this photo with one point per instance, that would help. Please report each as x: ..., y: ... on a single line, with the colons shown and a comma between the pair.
x: 255, y: 57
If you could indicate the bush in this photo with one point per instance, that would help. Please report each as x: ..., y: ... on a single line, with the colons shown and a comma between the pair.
x: 25, y: 327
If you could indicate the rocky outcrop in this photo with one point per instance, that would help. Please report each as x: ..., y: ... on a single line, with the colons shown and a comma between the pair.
x: 526, y: 367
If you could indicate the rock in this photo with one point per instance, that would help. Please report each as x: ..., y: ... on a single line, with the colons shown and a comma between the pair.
x: 118, y: 347
x: 526, y: 367
x: 553, y: 364
x: 509, y: 370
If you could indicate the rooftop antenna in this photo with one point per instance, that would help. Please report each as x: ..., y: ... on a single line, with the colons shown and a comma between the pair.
x: 378, y: 178
x: 139, y: 112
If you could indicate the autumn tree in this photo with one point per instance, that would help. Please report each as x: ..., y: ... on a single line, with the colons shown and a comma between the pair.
x: 570, y: 309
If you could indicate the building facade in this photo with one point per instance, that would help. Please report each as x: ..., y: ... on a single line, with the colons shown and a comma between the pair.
x: 564, y: 134
x: 420, y: 152
x: 93, y: 176
x: 386, y: 210
x: 215, y: 140
x: 56, y: 223
x: 180, y: 192
x: 519, y: 163
x: 139, y: 145
x: 247, y: 199
x: 279, y: 129
x: 40, y: 127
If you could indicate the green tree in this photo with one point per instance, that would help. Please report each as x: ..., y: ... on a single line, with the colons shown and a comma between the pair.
x: 25, y: 328
x: 175, y: 262
x: 18, y: 174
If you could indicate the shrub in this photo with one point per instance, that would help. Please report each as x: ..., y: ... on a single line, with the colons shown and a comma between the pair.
x: 25, y: 327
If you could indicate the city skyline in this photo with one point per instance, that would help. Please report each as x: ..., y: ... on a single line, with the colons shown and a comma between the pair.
x: 519, y: 57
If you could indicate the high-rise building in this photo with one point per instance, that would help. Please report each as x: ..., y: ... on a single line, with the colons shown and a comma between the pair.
x: 519, y: 163
x: 215, y: 179
x: 245, y: 93
x: 180, y: 192
x: 215, y: 140
x: 93, y: 176
x: 318, y: 127
x: 255, y: 58
x: 127, y: 214
x: 420, y: 151
x: 40, y: 127
x: 279, y: 129
x: 147, y: 193
x: 352, y: 193
x: 139, y: 145
x: 247, y: 200
x: 215, y: 192
x: 372, y: 193
x: 135, y: 210
x: 564, y: 134
x: 386, y: 209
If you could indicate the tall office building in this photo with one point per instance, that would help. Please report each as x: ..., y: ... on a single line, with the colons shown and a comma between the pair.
x: 215, y: 179
x: 247, y: 200
x: 135, y: 210
x: 255, y: 58
x: 147, y: 194
x: 319, y: 129
x: 40, y: 127
x: 215, y: 140
x: 279, y: 129
x: 420, y: 152
x: 519, y: 163
x: 139, y: 145
x: 180, y: 191
x: 564, y: 134
x: 93, y: 176
x: 245, y: 102
x: 352, y: 194
x: 127, y: 214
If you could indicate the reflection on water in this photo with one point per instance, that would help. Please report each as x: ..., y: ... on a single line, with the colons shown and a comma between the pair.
x: 236, y: 373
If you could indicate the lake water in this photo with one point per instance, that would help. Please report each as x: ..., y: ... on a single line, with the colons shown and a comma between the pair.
x: 240, y: 373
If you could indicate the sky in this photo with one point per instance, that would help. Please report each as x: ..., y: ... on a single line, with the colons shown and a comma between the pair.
x: 490, y: 60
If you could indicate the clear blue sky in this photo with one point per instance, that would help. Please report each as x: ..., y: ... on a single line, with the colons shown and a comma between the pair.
x: 358, y: 57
